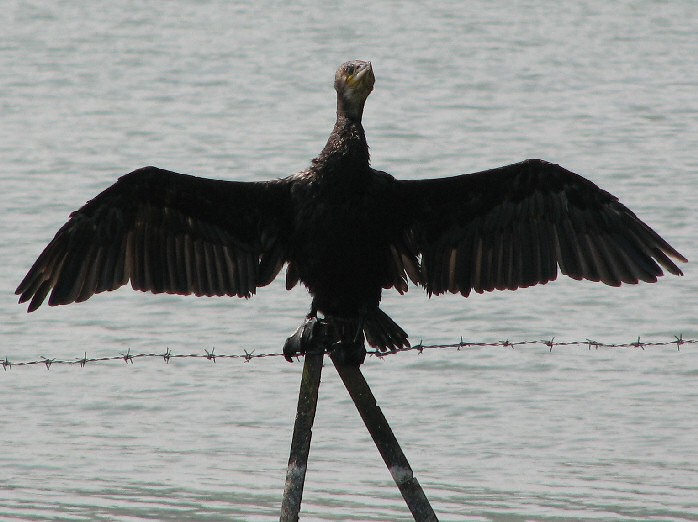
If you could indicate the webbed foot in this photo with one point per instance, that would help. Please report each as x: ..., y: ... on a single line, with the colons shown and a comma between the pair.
x: 329, y: 334
x: 302, y: 340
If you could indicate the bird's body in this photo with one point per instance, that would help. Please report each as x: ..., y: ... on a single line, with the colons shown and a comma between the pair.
x: 347, y: 231
x: 338, y: 250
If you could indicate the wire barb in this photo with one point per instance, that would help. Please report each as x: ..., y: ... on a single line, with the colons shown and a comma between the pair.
x: 595, y: 344
x: 679, y: 341
x: 127, y: 357
x: 550, y: 344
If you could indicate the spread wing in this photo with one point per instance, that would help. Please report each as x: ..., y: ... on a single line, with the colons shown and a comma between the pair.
x: 165, y: 232
x: 513, y: 226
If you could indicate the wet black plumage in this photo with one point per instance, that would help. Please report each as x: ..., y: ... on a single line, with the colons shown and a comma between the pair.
x: 347, y: 231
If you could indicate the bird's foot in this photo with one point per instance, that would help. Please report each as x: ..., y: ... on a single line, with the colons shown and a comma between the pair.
x: 349, y: 354
x: 348, y: 336
x: 333, y: 336
x: 303, y: 340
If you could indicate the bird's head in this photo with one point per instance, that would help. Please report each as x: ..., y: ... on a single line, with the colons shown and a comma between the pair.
x: 353, y: 82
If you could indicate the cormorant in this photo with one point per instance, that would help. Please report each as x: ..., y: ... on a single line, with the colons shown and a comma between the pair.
x: 347, y: 231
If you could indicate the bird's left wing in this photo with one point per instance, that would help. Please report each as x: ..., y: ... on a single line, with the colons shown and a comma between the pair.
x: 165, y: 232
x: 511, y: 227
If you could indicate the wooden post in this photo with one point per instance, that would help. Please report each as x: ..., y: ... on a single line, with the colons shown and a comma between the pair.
x: 385, y: 440
x: 302, y: 433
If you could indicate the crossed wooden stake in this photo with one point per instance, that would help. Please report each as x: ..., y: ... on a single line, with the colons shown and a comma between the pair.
x: 375, y: 421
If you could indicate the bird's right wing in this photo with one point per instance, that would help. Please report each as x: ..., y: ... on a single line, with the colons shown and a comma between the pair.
x: 165, y: 232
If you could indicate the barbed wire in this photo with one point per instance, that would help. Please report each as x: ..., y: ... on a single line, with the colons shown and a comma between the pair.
x: 248, y: 356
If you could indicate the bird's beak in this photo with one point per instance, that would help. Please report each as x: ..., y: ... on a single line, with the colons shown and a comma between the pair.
x: 363, y: 78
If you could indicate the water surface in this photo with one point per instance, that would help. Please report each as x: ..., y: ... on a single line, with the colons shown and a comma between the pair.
x: 91, y: 91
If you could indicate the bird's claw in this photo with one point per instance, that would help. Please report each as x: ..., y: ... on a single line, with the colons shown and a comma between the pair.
x: 302, y: 340
x: 320, y: 335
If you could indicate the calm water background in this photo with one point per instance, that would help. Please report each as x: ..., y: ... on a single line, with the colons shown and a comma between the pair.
x: 89, y: 91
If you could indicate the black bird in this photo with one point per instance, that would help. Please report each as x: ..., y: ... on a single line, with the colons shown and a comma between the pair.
x: 347, y: 231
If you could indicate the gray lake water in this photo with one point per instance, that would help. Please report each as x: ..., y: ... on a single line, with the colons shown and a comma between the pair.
x: 92, y: 90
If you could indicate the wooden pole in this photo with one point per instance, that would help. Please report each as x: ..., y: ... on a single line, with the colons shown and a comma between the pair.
x: 385, y: 440
x: 302, y: 433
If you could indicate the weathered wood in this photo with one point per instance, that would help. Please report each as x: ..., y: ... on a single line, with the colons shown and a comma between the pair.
x: 347, y: 356
x: 385, y: 440
x: 302, y: 434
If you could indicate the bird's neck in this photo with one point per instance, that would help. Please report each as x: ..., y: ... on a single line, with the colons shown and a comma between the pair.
x: 347, y: 144
x: 350, y: 107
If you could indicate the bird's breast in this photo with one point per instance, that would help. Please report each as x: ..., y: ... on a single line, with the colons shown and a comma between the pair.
x: 341, y: 238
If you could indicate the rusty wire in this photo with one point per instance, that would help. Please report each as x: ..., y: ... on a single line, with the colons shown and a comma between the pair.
x: 248, y: 356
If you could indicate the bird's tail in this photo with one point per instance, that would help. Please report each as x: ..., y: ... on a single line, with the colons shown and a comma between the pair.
x: 384, y: 333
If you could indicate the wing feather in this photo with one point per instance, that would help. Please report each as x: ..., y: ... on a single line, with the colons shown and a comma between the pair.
x: 165, y: 232
x: 512, y: 227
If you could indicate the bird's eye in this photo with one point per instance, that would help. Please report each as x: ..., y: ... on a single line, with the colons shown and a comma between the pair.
x: 351, y: 68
